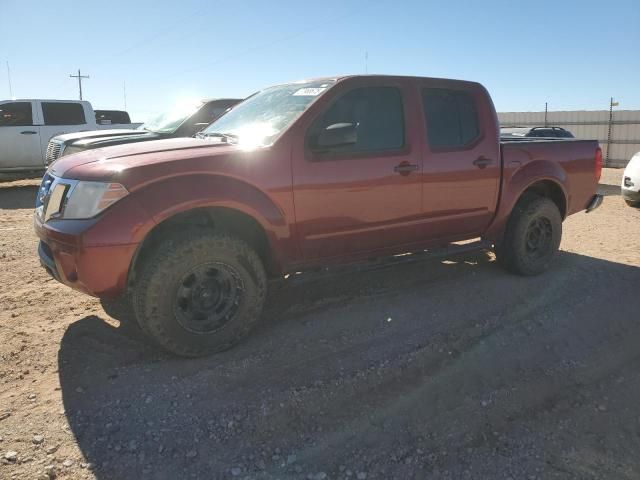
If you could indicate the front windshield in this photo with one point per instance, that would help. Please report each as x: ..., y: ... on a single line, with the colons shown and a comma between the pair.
x: 168, y: 122
x: 259, y: 120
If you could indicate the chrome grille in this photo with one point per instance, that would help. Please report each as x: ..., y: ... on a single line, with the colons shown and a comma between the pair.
x: 53, y: 152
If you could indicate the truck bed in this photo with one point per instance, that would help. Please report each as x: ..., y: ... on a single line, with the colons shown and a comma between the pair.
x: 567, y: 158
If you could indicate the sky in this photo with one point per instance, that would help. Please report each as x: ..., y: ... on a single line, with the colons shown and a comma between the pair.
x: 574, y: 55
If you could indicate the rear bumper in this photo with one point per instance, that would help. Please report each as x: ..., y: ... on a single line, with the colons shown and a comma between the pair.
x: 594, y: 203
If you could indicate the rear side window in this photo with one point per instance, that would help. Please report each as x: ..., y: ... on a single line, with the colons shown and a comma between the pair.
x: 452, y: 118
x: 59, y: 113
x: 377, y: 113
x: 108, y: 117
x: 15, y: 114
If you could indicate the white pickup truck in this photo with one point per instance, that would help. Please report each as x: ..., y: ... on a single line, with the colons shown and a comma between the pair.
x: 27, y: 125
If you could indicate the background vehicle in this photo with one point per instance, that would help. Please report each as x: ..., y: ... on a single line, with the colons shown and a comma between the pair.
x: 183, y: 121
x: 631, y: 182
x: 27, y: 125
x: 299, y: 176
x: 541, y: 132
x: 109, y: 117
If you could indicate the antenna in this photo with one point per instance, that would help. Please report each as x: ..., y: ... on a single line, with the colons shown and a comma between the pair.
x: 124, y: 93
x: 79, y: 77
x: 9, y: 77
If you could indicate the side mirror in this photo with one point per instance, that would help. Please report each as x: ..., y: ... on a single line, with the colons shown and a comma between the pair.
x: 336, y: 135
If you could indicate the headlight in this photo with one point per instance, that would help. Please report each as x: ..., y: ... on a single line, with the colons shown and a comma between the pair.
x: 87, y: 199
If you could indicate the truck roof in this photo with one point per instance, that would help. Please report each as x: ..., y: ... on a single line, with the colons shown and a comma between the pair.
x: 339, y: 78
x: 44, y: 100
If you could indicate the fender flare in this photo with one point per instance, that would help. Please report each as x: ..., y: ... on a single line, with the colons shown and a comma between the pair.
x: 519, y: 182
x: 172, y: 196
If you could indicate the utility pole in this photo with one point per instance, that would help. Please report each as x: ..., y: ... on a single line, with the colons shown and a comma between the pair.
x: 546, y: 105
x: 9, y: 77
x: 79, y: 77
x: 611, y: 105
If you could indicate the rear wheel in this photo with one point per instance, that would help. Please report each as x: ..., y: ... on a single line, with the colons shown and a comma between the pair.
x: 532, y: 236
x: 199, y: 293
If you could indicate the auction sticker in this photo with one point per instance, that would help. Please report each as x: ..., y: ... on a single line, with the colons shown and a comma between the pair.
x: 309, y: 92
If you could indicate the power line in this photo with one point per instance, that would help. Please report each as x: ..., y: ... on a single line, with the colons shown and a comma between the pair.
x: 79, y: 77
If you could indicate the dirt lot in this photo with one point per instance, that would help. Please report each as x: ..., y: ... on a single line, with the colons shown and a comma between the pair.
x: 440, y: 369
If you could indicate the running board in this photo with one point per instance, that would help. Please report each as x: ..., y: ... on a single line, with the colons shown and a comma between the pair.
x: 380, y: 263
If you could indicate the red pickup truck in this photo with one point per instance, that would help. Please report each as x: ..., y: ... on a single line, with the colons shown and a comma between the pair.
x: 298, y: 176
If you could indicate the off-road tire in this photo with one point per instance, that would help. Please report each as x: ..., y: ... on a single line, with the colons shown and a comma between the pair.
x: 514, y: 252
x: 632, y: 203
x: 163, y: 272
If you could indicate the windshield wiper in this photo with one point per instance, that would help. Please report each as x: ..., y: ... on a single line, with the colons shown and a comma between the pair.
x: 226, y: 137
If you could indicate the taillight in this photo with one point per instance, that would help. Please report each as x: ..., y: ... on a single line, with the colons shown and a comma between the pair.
x: 598, y: 166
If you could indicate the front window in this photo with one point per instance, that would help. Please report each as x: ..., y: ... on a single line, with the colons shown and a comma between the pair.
x: 168, y: 122
x: 15, y: 114
x: 261, y: 118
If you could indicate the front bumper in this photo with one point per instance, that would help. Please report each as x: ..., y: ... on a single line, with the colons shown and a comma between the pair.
x: 100, y: 271
x: 631, y: 195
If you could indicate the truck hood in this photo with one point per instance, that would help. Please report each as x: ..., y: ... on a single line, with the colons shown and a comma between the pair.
x: 131, y: 162
x: 100, y: 141
x: 98, y: 133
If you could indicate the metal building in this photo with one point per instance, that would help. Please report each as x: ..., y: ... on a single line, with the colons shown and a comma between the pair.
x: 618, y: 131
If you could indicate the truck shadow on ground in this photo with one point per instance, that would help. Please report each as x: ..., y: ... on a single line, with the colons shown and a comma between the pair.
x: 16, y: 197
x: 354, y: 370
x: 609, y: 190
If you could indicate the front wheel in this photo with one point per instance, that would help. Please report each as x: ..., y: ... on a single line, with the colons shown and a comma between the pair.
x: 199, y: 293
x: 532, y: 236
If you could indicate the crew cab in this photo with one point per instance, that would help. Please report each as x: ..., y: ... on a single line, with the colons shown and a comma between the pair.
x: 27, y: 125
x: 184, y: 120
x: 303, y: 175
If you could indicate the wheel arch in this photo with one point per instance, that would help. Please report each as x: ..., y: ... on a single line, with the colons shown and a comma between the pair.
x: 214, y: 218
x: 214, y: 202
x: 542, y: 177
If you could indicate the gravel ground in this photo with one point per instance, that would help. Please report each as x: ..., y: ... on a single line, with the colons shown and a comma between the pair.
x: 442, y: 369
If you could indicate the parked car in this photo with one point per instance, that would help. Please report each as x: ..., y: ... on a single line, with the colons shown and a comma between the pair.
x: 543, y: 132
x: 185, y: 120
x: 109, y: 117
x: 298, y: 176
x: 27, y: 125
x: 631, y: 182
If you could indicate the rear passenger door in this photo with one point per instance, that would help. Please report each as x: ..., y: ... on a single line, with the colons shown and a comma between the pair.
x: 59, y: 118
x: 461, y: 155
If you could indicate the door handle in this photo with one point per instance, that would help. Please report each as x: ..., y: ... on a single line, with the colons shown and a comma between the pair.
x: 405, y: 168
x: 28, y: 132
x: 482, y: 162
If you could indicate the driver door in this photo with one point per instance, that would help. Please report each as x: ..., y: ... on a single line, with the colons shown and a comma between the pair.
x: 363, y: 195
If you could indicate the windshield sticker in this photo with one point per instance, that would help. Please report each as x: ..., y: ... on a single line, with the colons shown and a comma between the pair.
x: 309, y: 92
